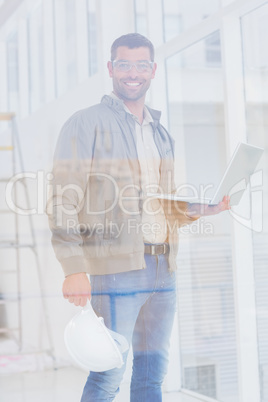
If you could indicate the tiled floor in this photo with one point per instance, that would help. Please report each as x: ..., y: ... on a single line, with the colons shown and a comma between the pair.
x: 62, y: 385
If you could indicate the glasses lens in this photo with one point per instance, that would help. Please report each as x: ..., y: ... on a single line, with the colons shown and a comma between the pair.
x: 124, y: 66
x: 143, y: 67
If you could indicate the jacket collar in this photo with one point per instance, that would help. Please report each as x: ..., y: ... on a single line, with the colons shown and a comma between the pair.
x: 118, y: 105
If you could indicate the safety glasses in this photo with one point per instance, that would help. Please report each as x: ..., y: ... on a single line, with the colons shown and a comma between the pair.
x: 125, y: 66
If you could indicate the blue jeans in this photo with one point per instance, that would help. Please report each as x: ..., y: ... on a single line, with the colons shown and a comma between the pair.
x: 139, y: 305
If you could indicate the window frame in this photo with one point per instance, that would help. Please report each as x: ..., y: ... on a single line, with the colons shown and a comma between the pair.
x: 227, y: 21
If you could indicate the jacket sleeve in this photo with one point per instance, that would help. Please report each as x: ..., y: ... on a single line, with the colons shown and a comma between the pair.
x: 72, y: 161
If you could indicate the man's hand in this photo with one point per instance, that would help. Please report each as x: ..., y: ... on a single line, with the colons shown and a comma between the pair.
x: 76, y: 288
x: 197, y: 210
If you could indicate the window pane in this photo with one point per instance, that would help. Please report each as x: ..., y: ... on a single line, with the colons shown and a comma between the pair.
x: 92, y: 37
x: 254, y: 32
x: 65, y: 45
x: 179, y: 15
x: 141, y: 17
x: 36, y: 58
x: 12, y: 72
x: 205, y: 277
x: 226, y: 2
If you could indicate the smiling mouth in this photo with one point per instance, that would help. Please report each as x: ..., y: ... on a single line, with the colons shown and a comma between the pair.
x: 133, y: 84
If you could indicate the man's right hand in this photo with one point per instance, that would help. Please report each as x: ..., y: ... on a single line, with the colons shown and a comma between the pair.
x: 76, y: 288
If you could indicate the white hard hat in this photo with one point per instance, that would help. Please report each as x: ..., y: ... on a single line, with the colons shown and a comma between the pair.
x: 91, y: 344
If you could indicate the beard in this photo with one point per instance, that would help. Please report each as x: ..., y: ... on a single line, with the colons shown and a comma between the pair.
x: 130, y: 94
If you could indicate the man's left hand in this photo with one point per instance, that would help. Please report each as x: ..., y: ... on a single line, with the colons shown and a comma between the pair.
x: 196, y: 210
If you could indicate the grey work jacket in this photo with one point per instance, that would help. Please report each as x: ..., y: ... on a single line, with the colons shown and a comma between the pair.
x: 95, y: 207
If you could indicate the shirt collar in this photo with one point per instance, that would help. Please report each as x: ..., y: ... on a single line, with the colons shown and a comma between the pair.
x: 147, y: 118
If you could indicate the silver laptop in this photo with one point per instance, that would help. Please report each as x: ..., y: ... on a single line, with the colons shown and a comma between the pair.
x: 235, y: 179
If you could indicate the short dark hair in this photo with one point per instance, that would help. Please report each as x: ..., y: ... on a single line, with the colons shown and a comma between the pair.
x: 132, y: 40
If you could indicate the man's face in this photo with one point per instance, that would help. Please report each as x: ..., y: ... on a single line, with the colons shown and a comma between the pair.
x: 131, y: 85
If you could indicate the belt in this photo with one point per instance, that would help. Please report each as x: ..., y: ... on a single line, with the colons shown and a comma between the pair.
x: 156, y: 249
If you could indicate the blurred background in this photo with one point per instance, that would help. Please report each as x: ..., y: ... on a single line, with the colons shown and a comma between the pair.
x: 212, y: 88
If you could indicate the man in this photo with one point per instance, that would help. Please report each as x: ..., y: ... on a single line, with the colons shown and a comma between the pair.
x: 108, y: 158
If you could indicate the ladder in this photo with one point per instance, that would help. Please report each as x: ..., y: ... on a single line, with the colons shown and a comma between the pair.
x: 16, y: 245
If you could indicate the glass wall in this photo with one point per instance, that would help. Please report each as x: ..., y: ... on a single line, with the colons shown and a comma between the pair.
x: 173, y: 21
x: 180, y: 15
x: 254, y: 35
x: 201, y: 75
x: 12, y: 72
x: 92, y: 37
x: 205, y: 277
x: 36, y: 58
x: 141, y: 17
x: 39, y: 40
x: 65, y: 45
x: 177, y: 15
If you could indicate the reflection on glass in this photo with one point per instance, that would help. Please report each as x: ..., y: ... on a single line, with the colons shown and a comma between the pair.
x: 177, y: 15
x: 183, y: 14
x: 65, y: 45
x: 213, y: 50
x: 172, y: 19
x: 36, y: 58
x: 205, y: 278
x: 12, y: 72
x: 254, y: 32
x: 141, y: 17
x: 92, y: 37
